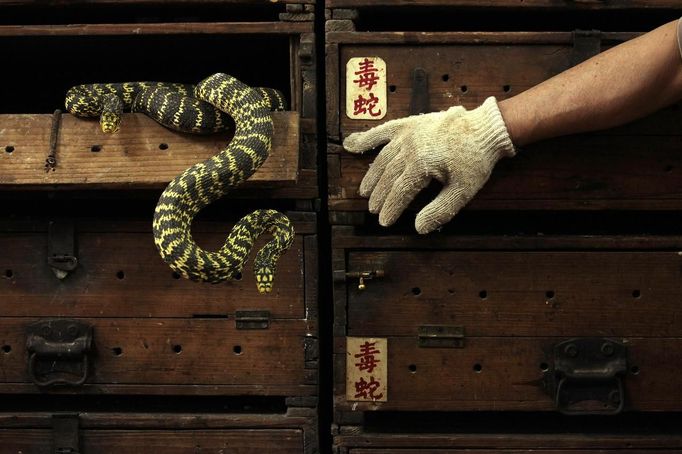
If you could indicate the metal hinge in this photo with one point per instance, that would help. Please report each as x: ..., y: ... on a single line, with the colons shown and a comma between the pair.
x: 65, y: 434
x: 439, y: 336
x: 252, y: 319
x: 61, y: 247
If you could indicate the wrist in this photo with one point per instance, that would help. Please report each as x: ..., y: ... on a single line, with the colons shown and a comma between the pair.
x: 491, y: 130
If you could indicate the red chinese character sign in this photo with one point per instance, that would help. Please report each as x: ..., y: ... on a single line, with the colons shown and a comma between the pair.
x: 366, y: 369
x: 366, y: 88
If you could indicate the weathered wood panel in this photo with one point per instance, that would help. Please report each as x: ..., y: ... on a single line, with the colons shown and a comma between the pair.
x: 180, y: 28
x: 141, y: 154
x: 518, y: 293
x: 503, y: 451
x: 122, y: 275
x: 505, y: 373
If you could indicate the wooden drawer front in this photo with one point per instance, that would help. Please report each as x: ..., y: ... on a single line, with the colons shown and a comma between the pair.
x: 633, y: 167
x: 144, y: 154
x: 121, y: 274
x: 36, y: 441
x: 154, y: 332
x: 518, y: 293
x: 513, y: 307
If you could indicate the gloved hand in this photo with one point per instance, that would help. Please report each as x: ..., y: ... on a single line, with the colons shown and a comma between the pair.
x: 457, y: 147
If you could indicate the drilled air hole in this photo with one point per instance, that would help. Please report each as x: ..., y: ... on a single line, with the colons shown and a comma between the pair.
x: 464, y: 88
x: 451, y: 291
x: 392, y: 88
x: 634, y: 370
x: 478, y: 368
x: 483, y: 294
x: 669, y: 169
x: 118, y: 351
x: 163, y: 146
x: 238, y: 277
x: 9, y: 274
x: 237, y: 349
x: 177, y: 348
x: 416, y: 291
x: 412, y: 368
x: 96, y: 148
x: 549, y: 294
x: 506, y: 88
x: 176, y: 275
x: 120, y: 275
x: 445, y: 77
x: 9, y: 149
x: 544, y: 367
x: 6, y: 348
x: 636, y: 294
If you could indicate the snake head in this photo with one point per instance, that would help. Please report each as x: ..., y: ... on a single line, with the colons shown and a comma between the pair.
x: 264, y: 278
x: 109, y: 122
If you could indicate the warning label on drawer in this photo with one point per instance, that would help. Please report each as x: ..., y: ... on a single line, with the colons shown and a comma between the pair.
x: 366, y: 88
x: 366, y: 369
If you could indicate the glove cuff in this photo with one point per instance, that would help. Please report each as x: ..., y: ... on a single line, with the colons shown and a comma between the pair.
x: 491, y: 130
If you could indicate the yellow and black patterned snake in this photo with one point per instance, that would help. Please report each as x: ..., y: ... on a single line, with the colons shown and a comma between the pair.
x: 173, y: 106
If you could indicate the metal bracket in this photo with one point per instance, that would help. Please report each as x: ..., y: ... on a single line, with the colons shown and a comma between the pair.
x: 58, y: 352
x: 439, y: 336
x: 419, y: 100
x: 252, y: 319
x: 65, y: 434
x: 587, y: 376
x: 61, y: 247
x: 586, y: 44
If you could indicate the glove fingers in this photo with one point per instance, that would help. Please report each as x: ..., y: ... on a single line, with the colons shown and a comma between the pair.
x: 404, y: 189
x: 378, y: 168
x: 359, y: 142
x: 441, y: 209
x: 385, y: 185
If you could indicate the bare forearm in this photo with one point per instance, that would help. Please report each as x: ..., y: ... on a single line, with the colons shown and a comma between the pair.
x: 626, y: 82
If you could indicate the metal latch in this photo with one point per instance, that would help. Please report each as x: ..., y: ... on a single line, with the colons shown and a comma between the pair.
x: 59, y: 352
x: 439, y: 336
x: 586, y: 44
x: 252, y: 319
x: 587, y: 376
x: 61, y: 247
x: 363, y: 276
x: 419, y: 101
x: 65, y: 434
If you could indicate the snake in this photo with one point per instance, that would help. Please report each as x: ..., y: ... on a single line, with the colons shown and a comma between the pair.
x: 203, y: 108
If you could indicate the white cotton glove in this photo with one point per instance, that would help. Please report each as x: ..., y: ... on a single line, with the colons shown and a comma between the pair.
x: 457, y: 147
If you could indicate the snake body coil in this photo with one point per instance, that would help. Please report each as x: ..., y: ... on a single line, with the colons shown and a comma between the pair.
x: 214, y: 98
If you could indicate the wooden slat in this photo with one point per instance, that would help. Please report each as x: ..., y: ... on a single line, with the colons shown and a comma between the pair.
x: 254, y: 441
x: 502, y: 441
x: 171, y: 28
x: 503, y: 451
x: 212, y: 352
x: 554, y: 4
x: 130, y: 158
x: 510, y: 377
x: 154, y: 2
